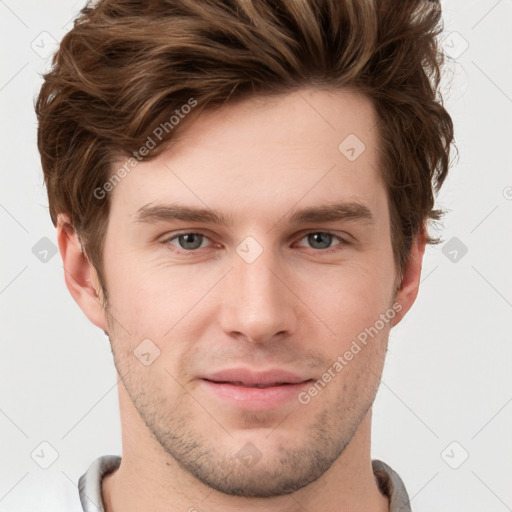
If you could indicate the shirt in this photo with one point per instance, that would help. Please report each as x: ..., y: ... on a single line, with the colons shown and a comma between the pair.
x: 89, y: 485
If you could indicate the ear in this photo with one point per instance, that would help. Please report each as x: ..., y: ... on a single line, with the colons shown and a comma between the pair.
x: 79, y: 274
x: 408, y: 290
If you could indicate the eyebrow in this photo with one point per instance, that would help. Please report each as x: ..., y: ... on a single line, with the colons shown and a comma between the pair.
x: 153, y: 213
x: 333, y: 212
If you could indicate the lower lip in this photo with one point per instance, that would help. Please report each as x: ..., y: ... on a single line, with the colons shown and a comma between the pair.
x: 256, y: 398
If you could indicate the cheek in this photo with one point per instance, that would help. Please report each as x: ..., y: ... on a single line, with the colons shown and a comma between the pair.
x: 349, y: 298
x: 157, y: 300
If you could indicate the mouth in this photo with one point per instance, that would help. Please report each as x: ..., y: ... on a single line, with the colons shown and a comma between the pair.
x: 247, y: 385
x: 253, y: 390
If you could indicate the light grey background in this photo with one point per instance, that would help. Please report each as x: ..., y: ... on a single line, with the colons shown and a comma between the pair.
x: 446, y: 391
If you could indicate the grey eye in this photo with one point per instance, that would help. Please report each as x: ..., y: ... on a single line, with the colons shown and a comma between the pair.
x: 190, y: 241
x: 320, y: 240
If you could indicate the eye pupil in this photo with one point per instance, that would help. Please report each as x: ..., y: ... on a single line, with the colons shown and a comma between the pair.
x: 320, y: 240
x: 186, y: 241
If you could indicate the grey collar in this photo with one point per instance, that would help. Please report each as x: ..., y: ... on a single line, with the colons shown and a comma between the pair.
x: 89, y: 485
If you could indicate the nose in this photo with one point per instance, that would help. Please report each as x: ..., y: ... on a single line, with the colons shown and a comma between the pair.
x: 258, y: 305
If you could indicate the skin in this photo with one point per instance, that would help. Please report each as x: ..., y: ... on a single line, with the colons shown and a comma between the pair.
x: 296, y: 307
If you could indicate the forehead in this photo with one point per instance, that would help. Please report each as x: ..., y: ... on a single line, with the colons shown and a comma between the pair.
x: 308, y: 145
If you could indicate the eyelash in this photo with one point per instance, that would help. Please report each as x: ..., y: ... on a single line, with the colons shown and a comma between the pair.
x: 328, y: 250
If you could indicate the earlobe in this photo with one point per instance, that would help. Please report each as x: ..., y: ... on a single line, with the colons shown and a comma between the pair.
x: 79, y: 274
x: 409, y: 287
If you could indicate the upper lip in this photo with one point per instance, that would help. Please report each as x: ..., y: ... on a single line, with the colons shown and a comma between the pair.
x: 248, y: 377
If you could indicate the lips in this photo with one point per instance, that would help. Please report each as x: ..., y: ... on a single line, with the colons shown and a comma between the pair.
x: 259, y: 386
x: 255, y: 379
x: 254, y: 390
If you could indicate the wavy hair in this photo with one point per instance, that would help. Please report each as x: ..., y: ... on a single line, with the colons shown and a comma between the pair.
x: 127, y: 65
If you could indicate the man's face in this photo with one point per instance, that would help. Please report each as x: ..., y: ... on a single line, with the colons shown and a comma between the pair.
x: 249, y: 314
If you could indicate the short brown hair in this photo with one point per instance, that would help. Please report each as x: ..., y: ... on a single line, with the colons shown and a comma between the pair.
x: 126, y: 66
